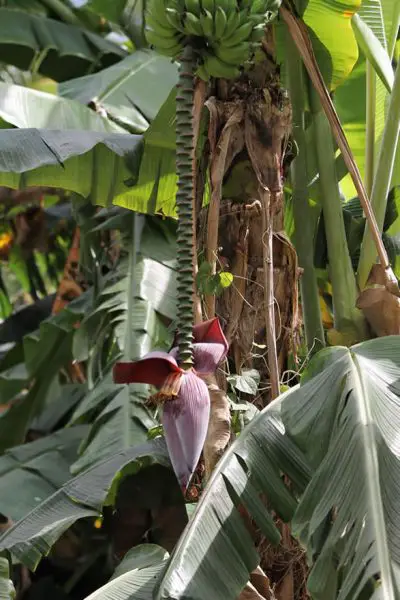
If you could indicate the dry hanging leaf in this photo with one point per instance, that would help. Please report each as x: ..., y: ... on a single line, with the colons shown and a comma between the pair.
x: 380, y: 307
x: 250, y: 593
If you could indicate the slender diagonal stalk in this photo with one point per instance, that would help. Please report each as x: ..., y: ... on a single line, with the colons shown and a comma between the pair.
x: 304, y: 235
x: 184, y: 198
x: 382, y: 180
x: 346, y: 315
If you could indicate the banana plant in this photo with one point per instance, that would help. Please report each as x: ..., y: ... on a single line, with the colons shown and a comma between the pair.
x: 212, y: 41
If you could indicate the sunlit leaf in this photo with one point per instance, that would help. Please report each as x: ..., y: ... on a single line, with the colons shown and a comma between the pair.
x: 132, y: 90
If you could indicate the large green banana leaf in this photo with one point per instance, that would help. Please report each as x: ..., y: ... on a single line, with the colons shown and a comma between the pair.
x: 215, y: 554
x: 134, y: 576
x: 343, y: 422
x: 7, y: 590
x: 333, y: 40
x: 350, y: 97
x: 123, y: 423
x: 39, y: 468
x: 133, y: 90
x: 51, y: 345
x: 76, y: 150
x: 23, y: 107
x: 57, y: 50
x: 84, y: 496
x: 133, y: 304
x: 350, y: 411
x: 155, y: 189
x: 95, y: 165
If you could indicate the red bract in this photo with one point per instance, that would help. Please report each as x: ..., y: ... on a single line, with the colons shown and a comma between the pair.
x: 185, y: 397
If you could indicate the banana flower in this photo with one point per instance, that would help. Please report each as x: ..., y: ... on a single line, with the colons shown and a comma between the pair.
x: 183, y: 394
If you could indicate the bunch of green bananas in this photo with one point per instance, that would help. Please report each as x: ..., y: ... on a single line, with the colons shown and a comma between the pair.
x: 224, y: 33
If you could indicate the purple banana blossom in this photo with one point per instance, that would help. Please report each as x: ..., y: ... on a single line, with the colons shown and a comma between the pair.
x: 185, y: 396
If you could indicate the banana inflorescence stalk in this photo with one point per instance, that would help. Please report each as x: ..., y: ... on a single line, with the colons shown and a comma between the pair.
x: 210, y: 38
x: 184, y: 170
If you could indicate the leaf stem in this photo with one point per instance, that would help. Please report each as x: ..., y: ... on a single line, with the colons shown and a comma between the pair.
x: 304, y: 235
x: 344, y: 289
x: 370, y: 127
x: 184, y: 199
x: 382, y: 180
x: 301, y: 38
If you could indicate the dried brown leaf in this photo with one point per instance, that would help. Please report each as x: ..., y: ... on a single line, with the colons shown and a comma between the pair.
x: 380, y: 307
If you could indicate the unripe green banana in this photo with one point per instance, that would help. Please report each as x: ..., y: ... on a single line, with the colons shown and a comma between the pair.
x: 202, y: 73
x: 218, y: 68
x: 233, y: 22
x: 161, y: 30
x: 192, y: 24
x: 220, y: 22
x: 258, y: 6
x: 241, y: 34
x: 207, y: 24
x: 162, y: 43
x: 157, y: 9
x: 174, y: 19
x: 172, y: 52
x: 193, y: 7
x: 244, y: 16
x: 226, y: 5
x: 234, y: 56
x: 208, y: 5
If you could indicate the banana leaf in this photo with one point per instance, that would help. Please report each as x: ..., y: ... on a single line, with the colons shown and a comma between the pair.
x: 132, y: 90
x: 7, y: 590
x: 332, y: 37
x: 84, y: 496
x: 57, y: 50
x: 96, y: 165
x: 40, y: 468
x: 134, y: 576
x: 350, y: 97
x: 156, y: 186
x: 133, y: 305
x: 336, y: 432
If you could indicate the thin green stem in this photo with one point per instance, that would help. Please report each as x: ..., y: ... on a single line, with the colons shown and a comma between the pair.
x: 304, y: 235
x: 370, y: 128
x: 347, y: 317
x: 184, y: 198
x: 382, y: 180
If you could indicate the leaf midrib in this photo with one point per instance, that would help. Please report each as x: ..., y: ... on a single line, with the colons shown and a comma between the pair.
x: 375, y: 501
